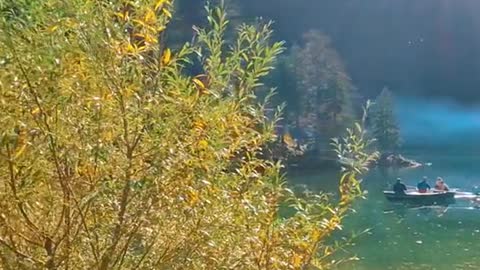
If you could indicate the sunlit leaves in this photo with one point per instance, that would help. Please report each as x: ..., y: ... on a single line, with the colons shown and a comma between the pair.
x: 167, y: 13
x: 202, y: 144
x: 52, y: 28
x: 200, y: 86
x: 123, y: 16
x: 133, y: 49
x: 167, y: 56
x: 114, y: 155
x: 198, y: 83
x: 250, y: 65
x: 150, y: 17
x: 160, y: 4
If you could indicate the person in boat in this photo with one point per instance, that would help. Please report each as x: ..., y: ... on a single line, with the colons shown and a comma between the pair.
x: 423, y: 186
x: 440, y: 185
x: 399, y: 188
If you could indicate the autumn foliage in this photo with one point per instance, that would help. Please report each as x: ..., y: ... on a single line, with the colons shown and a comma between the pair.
x: 114, y: 156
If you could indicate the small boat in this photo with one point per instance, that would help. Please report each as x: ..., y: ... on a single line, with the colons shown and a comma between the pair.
x: 421, y: 198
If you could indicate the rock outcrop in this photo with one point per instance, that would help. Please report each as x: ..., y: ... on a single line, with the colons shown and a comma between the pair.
x: 397, y: 160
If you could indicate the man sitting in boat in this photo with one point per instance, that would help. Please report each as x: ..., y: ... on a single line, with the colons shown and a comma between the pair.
x: 399, y: 188
x: 440, y: 185
x: 423, y: 187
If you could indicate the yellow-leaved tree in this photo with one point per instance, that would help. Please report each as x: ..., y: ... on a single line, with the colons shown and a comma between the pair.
x: 114, y: 156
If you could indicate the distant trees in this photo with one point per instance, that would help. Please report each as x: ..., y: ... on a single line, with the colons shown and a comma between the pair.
x: 384, y: 124
x: 320, y: 95
x: 284, y: 80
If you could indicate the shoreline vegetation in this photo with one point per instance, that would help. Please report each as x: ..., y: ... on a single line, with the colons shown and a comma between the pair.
x: 310, y: 149
x: 299, y: 159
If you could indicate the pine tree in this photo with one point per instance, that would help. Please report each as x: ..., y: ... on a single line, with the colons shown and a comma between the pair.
x: 385, y: 126
x: 324, y: 88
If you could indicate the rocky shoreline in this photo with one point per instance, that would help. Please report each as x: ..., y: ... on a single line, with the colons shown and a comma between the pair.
x: 399, y: 161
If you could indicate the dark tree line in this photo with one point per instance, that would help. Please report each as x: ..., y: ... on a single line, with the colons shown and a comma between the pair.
x: 312, y: 80
x: 317, y: 89
x: 384, y: 124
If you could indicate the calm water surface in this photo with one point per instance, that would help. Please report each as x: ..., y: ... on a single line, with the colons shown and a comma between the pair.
x: 443, y: 238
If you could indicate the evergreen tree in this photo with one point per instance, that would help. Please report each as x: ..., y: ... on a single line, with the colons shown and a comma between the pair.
x: 324, y: 88
x: 385, y: 126
x: 283, y: 80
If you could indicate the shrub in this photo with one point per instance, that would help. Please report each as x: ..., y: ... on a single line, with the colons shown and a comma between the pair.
x: 113, y: 157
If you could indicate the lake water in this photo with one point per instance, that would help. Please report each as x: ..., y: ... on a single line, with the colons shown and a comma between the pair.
x: 443, y: 238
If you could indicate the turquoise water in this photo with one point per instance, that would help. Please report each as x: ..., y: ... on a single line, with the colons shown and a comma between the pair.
x: 401, y: 237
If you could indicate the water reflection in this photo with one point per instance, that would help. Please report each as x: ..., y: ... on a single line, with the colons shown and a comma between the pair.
x: 409, y: 236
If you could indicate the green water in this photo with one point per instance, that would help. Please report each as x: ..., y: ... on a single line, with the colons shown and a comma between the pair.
x: 401, y: 237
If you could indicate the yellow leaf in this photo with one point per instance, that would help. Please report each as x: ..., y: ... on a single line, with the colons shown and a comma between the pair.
x: 167, y: 13
x: 142, y: 36
x: 150, y: 17
x: 150, y: 39
x: 316, y: 234
x: 202, y: 144
x: 327, y: 251
x: 159, y: 4
x: 199, y: 124
x: 120, y: 15
x: 20, y: 151
x: 52, y: 28
x: 288, y: 140
x: 141, y: 48
x: 35, y: 111
x: 297, y: 261
x: 167, y: 55
x: 139, y: 22
x: 193, y: 197
x: 198, y: 83
x: 161, y: 29
x: 130, y: 48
